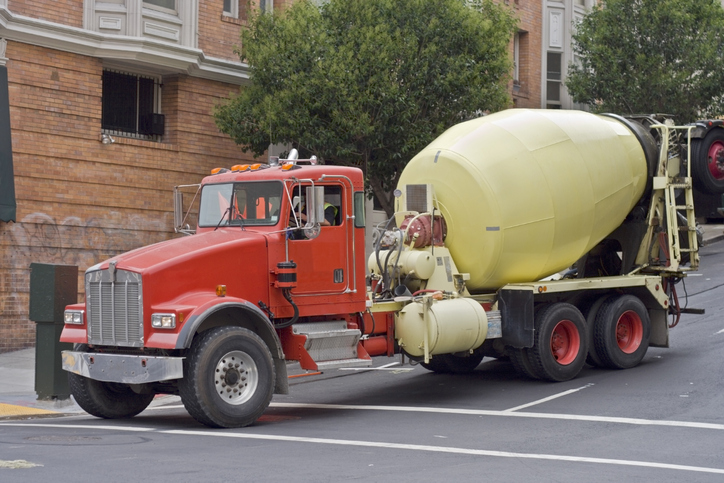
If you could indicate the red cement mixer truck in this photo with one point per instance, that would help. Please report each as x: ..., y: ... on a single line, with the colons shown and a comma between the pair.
x: 552, y: 238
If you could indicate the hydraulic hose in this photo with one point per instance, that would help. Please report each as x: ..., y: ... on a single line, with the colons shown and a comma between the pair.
x: 288, y: 322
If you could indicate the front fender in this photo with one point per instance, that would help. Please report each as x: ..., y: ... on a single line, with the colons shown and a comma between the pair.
x: 252, y: 317
x: 239, y: 312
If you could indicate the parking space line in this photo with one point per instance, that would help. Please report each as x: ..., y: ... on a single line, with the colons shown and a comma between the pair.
x: 549, y: 398
x: 486, y: 412
x: 386, y: 367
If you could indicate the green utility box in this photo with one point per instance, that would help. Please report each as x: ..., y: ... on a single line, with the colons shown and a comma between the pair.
x: 52, y: 287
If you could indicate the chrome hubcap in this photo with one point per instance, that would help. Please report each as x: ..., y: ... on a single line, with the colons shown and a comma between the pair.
x: 236, y: 377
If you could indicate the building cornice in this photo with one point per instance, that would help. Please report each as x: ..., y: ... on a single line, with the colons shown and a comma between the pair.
x: 167, y: 58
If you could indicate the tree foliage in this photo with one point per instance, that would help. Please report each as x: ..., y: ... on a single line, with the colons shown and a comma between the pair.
x: 369, y: 83
x: 646, y: 56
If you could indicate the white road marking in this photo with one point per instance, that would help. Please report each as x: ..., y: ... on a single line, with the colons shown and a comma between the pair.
x: 17, y: 464
x: 386, y: 367
x: 362, y: 369
x: 453, y: 450
x: 170, y: 406
x: 484, y: 412
x: 396, y: 446
x: 549, y: 398
x: 720, y: 332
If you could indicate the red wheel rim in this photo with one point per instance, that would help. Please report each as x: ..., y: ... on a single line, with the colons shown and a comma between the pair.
x: 565, y: 342
x: 716, y: 167
x: 629, y: 332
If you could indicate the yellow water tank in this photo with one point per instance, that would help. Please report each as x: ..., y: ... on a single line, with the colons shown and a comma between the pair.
x: 526, y: 193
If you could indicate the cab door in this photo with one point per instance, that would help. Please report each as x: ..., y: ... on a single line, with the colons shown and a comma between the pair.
x: 323, y: 263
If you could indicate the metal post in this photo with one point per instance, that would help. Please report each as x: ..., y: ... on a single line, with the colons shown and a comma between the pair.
x: 52, y: 287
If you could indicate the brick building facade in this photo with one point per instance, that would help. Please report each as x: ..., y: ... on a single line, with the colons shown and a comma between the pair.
x: 80, y: 201
x: 526, y: 53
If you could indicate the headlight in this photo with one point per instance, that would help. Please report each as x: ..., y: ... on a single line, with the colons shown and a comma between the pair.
x: 163, y: 321
x: 74, y: 317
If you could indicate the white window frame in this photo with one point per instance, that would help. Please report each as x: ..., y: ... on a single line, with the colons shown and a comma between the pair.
x: 153, y: 6
x: 516, y: 59
x: 234, y: 11
x: 559, y: 81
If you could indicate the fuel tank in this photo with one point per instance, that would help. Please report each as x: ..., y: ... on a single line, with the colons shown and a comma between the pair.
x: 526, y: 193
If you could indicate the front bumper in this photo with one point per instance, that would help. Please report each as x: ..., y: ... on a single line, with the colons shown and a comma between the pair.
x: 126, y: 369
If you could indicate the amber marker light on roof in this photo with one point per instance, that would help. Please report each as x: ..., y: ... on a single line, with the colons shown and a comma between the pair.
x: 216, y: 170
x: 254, y: 167
x: 287, y: 166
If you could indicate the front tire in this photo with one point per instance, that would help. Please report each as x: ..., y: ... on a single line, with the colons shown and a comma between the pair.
x: 228, y: 378
x: 107, y: 400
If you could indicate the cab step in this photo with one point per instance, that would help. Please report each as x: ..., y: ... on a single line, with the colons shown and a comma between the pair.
x: 331, y: 344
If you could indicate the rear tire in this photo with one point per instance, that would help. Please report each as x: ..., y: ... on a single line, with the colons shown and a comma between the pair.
x: 107, y: 400
x: 228, y: 378
x: 522, y: 364
x: 436, y: 364
x: 707, y: 166
x: 462, y: 364
x: 561, y: 342
x: 590, y: 314
x: 621, y: 332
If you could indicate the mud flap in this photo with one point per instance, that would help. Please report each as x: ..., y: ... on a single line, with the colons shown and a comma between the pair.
x: 516, y: 312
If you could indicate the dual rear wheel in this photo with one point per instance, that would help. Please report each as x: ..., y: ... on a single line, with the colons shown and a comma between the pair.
x: 614, y: 334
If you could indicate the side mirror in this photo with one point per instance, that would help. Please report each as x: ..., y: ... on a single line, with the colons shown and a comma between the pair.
x: 315, y: 211
x: 178, y: 209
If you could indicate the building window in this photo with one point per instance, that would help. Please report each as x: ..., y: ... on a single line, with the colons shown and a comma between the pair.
x: 167, y: 4
x: 231, y: 8
x: 554, y: 76
x: 131, y: 105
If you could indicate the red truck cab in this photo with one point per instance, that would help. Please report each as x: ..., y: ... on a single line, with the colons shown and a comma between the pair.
x: 171, y: 317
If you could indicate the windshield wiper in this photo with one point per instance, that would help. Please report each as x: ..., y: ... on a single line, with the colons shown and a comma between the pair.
x: 227, y: 212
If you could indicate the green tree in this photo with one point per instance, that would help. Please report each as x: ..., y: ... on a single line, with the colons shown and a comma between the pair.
x: 647, y: 56
x: 369, y: 83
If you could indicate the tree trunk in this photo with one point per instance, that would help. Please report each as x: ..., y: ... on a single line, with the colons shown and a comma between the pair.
x: 385, y: 197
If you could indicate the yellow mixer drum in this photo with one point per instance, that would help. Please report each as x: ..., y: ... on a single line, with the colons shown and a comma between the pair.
x: 526, y: 193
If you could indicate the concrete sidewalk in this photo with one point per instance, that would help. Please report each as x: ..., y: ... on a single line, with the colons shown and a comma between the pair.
x: 18, y: 399
x: 17, y: 389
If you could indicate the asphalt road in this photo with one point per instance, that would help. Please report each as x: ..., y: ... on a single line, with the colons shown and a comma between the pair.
x: 661, y: 421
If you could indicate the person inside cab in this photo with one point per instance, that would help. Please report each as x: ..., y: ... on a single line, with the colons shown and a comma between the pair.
x: 330, y: 214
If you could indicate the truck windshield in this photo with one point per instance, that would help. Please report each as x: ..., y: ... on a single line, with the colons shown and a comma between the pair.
x: 254, y: 203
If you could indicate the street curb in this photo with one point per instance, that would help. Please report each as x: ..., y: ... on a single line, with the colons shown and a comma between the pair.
x: 714, y: 239
x: 13, y: 411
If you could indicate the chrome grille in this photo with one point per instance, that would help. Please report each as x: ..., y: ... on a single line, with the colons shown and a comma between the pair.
x: 115, y: 308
